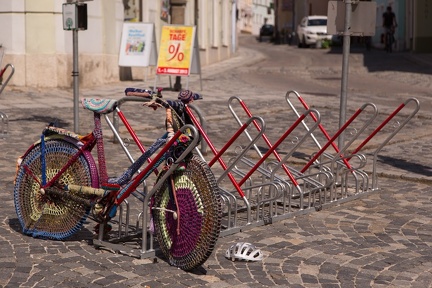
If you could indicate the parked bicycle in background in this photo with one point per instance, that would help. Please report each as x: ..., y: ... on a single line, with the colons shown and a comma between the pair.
x: 389, y: 24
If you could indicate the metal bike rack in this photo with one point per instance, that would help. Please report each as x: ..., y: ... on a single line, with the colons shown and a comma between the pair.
x: 362, y: 182
x: 235, y: 198
x: 259, y: 188
x: 4, y: 125
x: 298, y: 187
x: 337, y: 150
x: 8, y: 67
x: 336, y: 161
x: 416, y: 107
x: 338, y: 157
x: 342, y: 170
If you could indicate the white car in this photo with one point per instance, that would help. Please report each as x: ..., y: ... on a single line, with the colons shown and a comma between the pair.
x: 311, y: 29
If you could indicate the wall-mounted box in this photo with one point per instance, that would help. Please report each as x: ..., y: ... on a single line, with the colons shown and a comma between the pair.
x: 74, y: 16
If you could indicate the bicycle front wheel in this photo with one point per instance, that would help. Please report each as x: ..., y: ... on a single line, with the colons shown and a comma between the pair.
x: 48, y: 216
x: 187, y: 215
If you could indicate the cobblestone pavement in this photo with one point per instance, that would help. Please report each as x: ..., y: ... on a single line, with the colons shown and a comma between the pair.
x: 383, y: 239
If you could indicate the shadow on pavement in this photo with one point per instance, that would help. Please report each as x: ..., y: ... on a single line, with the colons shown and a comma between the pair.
x: 82, y: 235
x: 406, y: 165
x: 44, y: 119
x: 377, y: 60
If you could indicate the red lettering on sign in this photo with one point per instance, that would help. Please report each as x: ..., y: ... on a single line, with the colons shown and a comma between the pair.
x: 178, y: 37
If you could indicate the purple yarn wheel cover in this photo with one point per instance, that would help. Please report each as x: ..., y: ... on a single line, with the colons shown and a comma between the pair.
x: 200, y: 210
x: 190, y: 224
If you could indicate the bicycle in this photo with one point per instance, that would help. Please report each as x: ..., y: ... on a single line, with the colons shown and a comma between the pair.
x: 389, y: 39
x: 58, y: 185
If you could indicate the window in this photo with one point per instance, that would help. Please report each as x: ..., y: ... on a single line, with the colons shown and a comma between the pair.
x: 317, y: 22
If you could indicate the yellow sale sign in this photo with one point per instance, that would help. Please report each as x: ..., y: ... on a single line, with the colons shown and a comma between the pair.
x: 176, y: 50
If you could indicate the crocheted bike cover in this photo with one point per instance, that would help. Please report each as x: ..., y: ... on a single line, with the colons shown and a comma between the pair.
x: 101, y: 106
x: 53, y: 217
x: 125, y: 178
x: 198, y: 219
x: 127, y: 175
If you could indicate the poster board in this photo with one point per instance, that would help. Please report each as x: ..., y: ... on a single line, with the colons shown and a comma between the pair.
x: 178, y: 51
x: 363, y: 18
x: 138, y: 46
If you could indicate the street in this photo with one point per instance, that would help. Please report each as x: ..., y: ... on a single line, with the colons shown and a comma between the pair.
x: 382, y: 239
x: 375, y: 76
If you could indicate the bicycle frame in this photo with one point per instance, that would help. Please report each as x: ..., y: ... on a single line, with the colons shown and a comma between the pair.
x: 389, y: 38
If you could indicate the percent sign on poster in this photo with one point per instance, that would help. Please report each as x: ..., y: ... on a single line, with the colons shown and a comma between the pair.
x: 176, y: 49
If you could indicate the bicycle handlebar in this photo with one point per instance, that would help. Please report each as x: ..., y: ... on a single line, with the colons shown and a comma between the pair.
x: 186, y: 96
x: 154, y: 99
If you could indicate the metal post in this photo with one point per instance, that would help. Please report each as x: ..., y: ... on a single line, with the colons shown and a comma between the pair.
x: 234, y: 26
x: 178, y: 8
x: 75, y: 75
x: 345, y: 69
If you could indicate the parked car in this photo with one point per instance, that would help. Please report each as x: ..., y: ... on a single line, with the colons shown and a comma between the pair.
x: 312, y: 29
x: 266, y: 30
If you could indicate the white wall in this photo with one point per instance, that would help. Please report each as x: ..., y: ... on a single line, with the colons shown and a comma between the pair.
x: 260, y: 14
x: 32, y: 33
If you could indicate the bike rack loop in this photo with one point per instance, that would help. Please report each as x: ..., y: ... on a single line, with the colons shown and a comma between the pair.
x: 269, y: 144
x: 2, y: 71
x: 4, y: 125
x: 4, y: 117
x: 355, y: 171
x: 282, y: 163
x: 314, y: 113
x: 416, y: 109
x: 367, y: 139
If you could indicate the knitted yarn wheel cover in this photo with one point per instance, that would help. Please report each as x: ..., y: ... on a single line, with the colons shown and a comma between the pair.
x: 200, y: 215
x: 51, y: 217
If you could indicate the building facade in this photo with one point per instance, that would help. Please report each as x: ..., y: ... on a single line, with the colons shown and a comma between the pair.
x: 414, y: 19
x: 263, y: 13
x: 35, y: 43
x: 245, y: 14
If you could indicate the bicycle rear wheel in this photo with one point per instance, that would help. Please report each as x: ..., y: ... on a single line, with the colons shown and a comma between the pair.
x: 49, y: 216
x: 389, y: 42
x: 199, y: 211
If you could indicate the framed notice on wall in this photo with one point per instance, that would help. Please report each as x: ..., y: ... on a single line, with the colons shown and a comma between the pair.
x: 165, y: 10
x: 138, y: 46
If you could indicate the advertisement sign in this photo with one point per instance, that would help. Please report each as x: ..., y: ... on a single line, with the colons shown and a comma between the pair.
x: 165, y: 10
x: 176, y: 50
x: 138, y: 46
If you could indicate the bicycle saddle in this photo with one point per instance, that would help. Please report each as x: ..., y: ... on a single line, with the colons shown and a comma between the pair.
x: 101, y: 106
